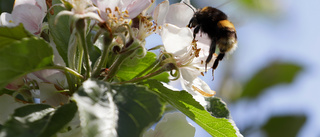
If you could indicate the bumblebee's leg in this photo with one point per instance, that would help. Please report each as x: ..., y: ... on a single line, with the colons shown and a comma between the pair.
x: 212, y: 50
x: 216, y: 63
x: 196, y: 31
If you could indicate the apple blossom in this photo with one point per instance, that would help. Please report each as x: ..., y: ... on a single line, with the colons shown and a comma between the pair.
x: 28, y: 12
x: 113, y: 9
x: 81, y: 9
x: 178, y: 40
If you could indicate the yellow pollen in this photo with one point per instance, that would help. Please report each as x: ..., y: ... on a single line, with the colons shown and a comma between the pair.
x: 126, y: 11
x: 202, y: 74
x: 125, y: 15
x: 108, y: 9
x: 10, y: 21
x: 117, y: 10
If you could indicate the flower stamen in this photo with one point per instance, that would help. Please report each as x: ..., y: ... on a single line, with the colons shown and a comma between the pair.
x: 204, y: 93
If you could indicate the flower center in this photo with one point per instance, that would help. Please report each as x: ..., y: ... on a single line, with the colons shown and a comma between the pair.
x: 117, y: 16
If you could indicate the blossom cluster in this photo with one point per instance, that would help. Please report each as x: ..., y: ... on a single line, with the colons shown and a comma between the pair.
x: 103, y: 36
x: 170, y: 23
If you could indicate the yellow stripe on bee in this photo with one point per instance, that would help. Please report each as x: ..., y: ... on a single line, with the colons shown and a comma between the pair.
x: 204, y: 9
x: 225, y: 24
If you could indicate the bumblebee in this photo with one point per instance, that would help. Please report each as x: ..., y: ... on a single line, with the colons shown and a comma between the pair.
x: 220, y: 30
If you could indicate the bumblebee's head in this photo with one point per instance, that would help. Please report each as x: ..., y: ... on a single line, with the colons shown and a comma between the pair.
x: 193, y: 22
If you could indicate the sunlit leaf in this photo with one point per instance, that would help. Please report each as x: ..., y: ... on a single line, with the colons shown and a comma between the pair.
x: 184, y: 102
x: 97, y: 110
x: 22, y: 57
x: 274, y: 74
x: 27, y: 121
x: 284, y: 126
x: 9, y: 35
x: 138, y: 109
x: 132, y: 67
x: 60, y: 118
x: 110, y: 110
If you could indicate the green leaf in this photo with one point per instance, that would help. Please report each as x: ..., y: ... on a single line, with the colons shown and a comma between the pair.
x: 60, y: 31
x: 9, y: 35
x: 6, y: 91
x: 263, y: 7
x: 27, y: 121
x: 184, y: 102
x: 127, y: 109
x: 97, y: 110
x: 22, y: 57
x: 138, y: 107
x: 130, y: 68
x: 60, y: 118
x: 218, y: 108
x: 94, y: 51
x: 274, y: 74
x: 284, y: 126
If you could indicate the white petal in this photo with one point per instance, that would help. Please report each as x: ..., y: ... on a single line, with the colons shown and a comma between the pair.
x: 30, y: 16
x: 176, y: 40
x: 21, y: 2
x: 189, y: 74
x: 137, y: 6
x: 49, y: 95
x: 198, y: 86
x: 179, y: 14
x: 125, y: 3
x: 172, y: 125
x: 161, y: 12
x: 52, y: 76
x: 94, y: 2
x: 103, y: 4
x: 16, y: 84
x: 149, y: 11
x: 203, y: 44
x: 7, y: 20
x: 90, y: 15
x: 42, y: 5
x: 7, y: 107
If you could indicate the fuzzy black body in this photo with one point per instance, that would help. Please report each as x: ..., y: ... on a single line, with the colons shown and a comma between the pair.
x: 220, y: 30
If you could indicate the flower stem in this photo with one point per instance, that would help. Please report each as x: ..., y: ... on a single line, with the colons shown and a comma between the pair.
x: 80, y: 25
x: 66, y: 69
x: 107, y: 39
